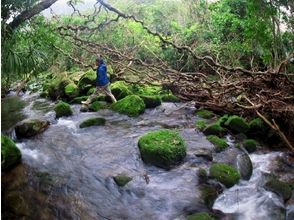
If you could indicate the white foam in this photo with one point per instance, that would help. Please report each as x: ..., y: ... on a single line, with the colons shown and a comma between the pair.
x: 34, y: 154
x: 67, y: 123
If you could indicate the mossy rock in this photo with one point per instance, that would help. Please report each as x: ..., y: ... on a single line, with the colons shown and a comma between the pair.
x: 97, y: 105
x: 257, y: 128
x: 202, y: 176
x: 225, y: 173
x: 214, y: 129
x: 219, y: 143
x: 151, y: 101
x: 30, y: 127
x: 44, y: 94
x: 208, y: 195
x: 200, y: 216
x: 169, y: 98
x: 281, y: 188
x: 250, y: 145
x: 62, y: 109
x: 93, y: 122
x: 120, y: 90
x: 163, y: 148
x: 56, y: 88
x: 237, y: 124
x: 201, y: 125
x: 145, y: 90
x: 71, y: 90
x: 203, y: 113
x: 79, y: 99
x: 10, y: 154
x: 121, y: 180
x: 91, y: 91
x: 89, y: 78
x: 131, y: 105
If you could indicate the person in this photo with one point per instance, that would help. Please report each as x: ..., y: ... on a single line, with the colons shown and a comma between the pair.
x: 102, y: 82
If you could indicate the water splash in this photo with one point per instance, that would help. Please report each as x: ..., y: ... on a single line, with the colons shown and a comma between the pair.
x: 32, y: 153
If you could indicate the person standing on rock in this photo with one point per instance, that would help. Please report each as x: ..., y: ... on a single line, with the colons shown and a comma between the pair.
x: 102, y: 82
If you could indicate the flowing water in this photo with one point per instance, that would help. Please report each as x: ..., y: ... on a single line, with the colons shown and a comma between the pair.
x: 67, y: 172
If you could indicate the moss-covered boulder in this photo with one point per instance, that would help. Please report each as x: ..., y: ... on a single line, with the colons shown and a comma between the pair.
x: 56, y: 88
x: 203, y: 113
x: 93, y: 122
x: 257, y: 128
x: 147, y: 90
x: 249, y: 145
x: 151, y: 101
x: 214, y: 129
x: 219, y: 143
x: 162, y: 148
x: 122, y: 180
x: 79, y: 99
x: 225, y: 173
x: 71, y: 90
x: 120, y: 89
x: 131, y: 105
x: 91, y: 91
x: 237, y: 124
x: 10, y: 154
x: 169, y: 98
x: 62, y: 109
x: 200, y: 216
x: 281, y: 188
x: 201, y: 125
x: 88, y: 78
x: 31, y: 127
x: 209, y: 194
x: 97, y: 105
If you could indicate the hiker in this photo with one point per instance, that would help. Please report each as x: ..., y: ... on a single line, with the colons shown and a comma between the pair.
x: 102, y: 83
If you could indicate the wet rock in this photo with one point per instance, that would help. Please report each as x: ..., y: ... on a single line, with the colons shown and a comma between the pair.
x: 205, y: 153
x: 131, y: 105
x: 281, y: 188
x: 200, y: 216
x: 10, y: 154
x: 16, y: 204
x: 249, y: 145
x: 237, y: 124
x: 62, y: 109
x: 97, y: 105
x: 57, y: 86
x: 162, y: 148
x: 225, y: 173
x: 214, y: 129
x: 236, y: 158
x: 220, y: 144
x: 209, y: 193
x: 120, y: 89
x: 93, y: 122
x: 203, y: 113
x: 151, y: 101
x: 31, y: 127
x: 122, y: 180
x: 290, y: 212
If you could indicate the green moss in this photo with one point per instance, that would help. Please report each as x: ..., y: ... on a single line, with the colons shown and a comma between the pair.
x: 237, y: 124
x: 92, y: 122
x: 200, y: 216
x: 71, y: 90
x: 162, y: 148
x: 56, y: 88
x: 257, y: 127
x: 201, y: 125
x: 10, y: 154
x: 214, y: 129
x: 62, y: 109
x: 89, y: 78
x: 131, y: 105
x: 121, y: 180
x: 221, y: 121
x: 91, y: 91
x: 79, y: 99
x: 208, y: 194
x: 205, y: 114
x: 281, y: 188
x: 169, y: 98
x: 250, y: 145
x: 219, y: 143
x: 96, y: 106
x: 225, y: 173
x: 146, y: 90
x: 151, y: 101
x: 120, y: 89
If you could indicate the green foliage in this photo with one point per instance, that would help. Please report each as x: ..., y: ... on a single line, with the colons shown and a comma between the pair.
x: 219, y: 143
x: 92, y: 122
x: 162, y: 148
x: 224, y: 173
x: 10, y: 154
x: 131, y: 105
x: 62, y: 109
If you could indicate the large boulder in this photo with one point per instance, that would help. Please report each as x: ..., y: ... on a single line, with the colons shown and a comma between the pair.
x: 89, y: 78
x: 162, y: 148
x: 10, y: 154
x: 62, y: 109
x: 56, y: 88
x: 92, y: 122
x: 71, y: 90
x: 237, y: 124
x: 131, y: 105
x: 120, y: 89
x: 31, y: 127
x: 225, y: 173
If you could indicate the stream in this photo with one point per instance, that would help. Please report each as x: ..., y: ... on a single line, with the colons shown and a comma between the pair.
x: 67, y: 172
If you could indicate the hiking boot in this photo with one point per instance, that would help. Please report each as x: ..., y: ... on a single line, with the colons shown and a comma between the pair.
x: 85, y: 102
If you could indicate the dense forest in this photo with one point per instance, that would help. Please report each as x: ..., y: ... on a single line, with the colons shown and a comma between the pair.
x: 233, y: 60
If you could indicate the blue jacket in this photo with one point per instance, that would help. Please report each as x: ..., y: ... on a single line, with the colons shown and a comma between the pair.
x: 101, y: 72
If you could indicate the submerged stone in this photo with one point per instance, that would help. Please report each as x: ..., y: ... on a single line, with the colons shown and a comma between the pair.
x: 31, y: 127
x: 162, y: 148
x: 62, y: 109
x: 10, y: 154
x: 93, y: 122
x: 122, y: 180
x: 131, y: 105
x: 225, y: 173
